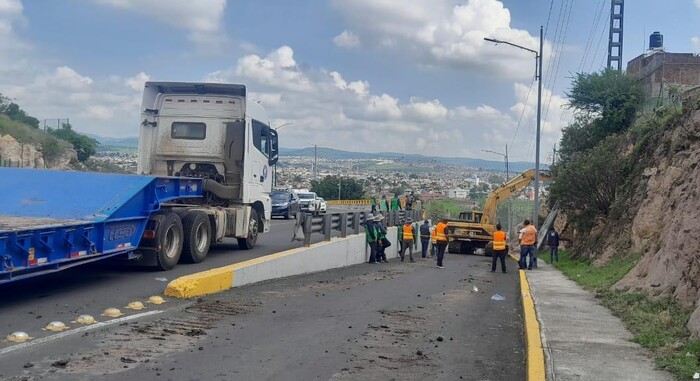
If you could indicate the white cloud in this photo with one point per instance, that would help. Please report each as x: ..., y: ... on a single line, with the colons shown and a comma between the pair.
x: 327, y: 109
x: 201, y: 18
x: 445, y: 32
x: 697, y: 3
x: 347, y: 39
x: 696, y: 41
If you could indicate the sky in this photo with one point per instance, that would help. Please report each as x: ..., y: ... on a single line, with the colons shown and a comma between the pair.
x: 409, y: 76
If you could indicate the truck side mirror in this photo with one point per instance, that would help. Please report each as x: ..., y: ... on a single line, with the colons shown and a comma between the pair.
x: 274, y: 147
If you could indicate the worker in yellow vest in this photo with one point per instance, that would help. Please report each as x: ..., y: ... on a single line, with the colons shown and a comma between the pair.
x: 500, y: 249
x: 441, y: 239
x: 409, y: 233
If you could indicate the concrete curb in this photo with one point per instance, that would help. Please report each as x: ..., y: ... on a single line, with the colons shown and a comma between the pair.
x: 535, y: 366
x: 337, y: 253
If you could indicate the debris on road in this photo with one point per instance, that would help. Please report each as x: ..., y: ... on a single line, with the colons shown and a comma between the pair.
x: 60, y: 363
x: 498, y: 298
x: 475, y: 289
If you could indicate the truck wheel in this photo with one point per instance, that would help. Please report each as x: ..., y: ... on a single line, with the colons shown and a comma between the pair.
x: 454, y: 247
x: 197, y: 236
x: 169, y: 236
x: 249, y: 242
x: 488, y: 250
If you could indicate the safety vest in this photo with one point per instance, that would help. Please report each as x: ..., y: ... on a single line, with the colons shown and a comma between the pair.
x: 499, y: 240
x: 441, y: 232
x: 529, y: 236
x: 407, y: 232
x: 433, y: 235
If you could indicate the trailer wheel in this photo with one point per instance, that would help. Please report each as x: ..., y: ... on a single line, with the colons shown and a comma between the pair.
x: 197, y: 236
x: 249, y: 242
x: 169, y: 236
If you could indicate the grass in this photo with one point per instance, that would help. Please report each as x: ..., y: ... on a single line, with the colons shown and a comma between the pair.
x: 51, y: 146
x: 657, y: 324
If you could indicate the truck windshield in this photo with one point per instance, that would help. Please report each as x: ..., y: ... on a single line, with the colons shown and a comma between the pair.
x: 307, y: 196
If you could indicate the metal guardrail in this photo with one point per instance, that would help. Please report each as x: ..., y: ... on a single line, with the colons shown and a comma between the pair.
x: 348, y: 202
x: 342, y: 222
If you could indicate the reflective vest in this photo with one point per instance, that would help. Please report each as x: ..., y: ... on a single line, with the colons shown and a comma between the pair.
x: 499, y: 240
x: 433, y: 235
x: 529, y: 236
x: 407, y: 232
x: 440, y: 236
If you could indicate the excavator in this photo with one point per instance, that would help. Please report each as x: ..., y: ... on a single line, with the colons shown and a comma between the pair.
x: 474, y: 229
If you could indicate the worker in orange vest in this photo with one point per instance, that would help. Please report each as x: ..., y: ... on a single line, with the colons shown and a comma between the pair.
x: 407, y: 239
x: 441, y: 239
x: 433, y: 242
x: 528, y: 241
x: 500, y: 249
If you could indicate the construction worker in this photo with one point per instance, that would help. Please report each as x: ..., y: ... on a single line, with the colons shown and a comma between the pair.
x: 373, y: 202
x: 407, y: 239
x: 433, y: 241
x: 441, y: 239
x: 499, y: 249
x: 528, y: 240
x: 372, y: 236
x: 424, y: 238
x: 383, y: 204
x: 382, y: 242
x: 395, y: 203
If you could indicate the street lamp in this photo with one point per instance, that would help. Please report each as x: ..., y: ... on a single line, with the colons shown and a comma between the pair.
x: 505, y: 157
x: 274, y: 173
x: 538, y: 76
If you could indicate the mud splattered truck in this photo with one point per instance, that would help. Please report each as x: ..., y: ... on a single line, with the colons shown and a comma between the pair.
x: 205, y: 153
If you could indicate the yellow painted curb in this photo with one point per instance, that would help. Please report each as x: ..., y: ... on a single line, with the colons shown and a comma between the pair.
x: 533, y: 341
x: 218, y: 279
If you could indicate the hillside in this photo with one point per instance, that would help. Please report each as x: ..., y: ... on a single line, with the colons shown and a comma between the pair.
x: 25, y: 146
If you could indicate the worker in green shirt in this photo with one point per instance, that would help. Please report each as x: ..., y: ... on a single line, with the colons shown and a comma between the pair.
x: 395, y: 202
x: 383, y: 204
x: 373, y: 202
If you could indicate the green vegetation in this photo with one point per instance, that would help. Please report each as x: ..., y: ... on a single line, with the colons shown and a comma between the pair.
x: 83, y: 145
x: 437, y: 209
x: 328, y: 187
x: 657, y: 324
x: 519, y: 211
x: 14, y: 112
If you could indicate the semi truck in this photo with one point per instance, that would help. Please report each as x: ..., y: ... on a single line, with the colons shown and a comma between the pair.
x: 205, y: 153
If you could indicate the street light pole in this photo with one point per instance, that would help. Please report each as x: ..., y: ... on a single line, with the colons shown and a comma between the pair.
x: 538, y: 76
x: 505, y: 157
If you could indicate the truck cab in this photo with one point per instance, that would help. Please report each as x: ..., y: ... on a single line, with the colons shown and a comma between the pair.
x: 210, y: 131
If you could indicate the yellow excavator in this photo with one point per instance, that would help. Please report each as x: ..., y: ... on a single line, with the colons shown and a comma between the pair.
x: 474, y: 229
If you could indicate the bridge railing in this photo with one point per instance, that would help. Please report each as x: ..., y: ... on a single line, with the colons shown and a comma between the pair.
x: 347, y: 223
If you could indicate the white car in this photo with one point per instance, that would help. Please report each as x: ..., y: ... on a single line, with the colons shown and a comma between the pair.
x: 321, y: 205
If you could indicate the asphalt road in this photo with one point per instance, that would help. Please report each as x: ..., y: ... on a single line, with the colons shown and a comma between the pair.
x: 367, y: 322
x: 30, y: 304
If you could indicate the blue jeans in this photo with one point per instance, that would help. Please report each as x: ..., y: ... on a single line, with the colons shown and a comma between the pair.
x: 553, y: 254
x: 526, y: 251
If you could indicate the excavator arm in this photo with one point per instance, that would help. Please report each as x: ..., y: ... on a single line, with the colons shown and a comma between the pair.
x: 506, y: 190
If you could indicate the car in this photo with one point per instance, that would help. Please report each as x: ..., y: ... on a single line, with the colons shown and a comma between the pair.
x: 285, y: 203
x: 308, y: 202
x: 322, y: 205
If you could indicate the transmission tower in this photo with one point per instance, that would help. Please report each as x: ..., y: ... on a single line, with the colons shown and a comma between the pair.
x: 617, y: 12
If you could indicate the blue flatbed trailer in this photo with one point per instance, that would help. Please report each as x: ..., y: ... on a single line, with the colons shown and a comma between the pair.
x: 53, y: 220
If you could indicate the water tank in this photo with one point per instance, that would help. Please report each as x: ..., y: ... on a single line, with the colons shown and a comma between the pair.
x: 656, y: 41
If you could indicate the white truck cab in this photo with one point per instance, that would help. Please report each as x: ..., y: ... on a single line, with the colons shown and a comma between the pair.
x: 212, y: 131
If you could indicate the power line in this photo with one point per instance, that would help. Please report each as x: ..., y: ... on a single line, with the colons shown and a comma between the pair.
x: 594, y: 27
x: 597, y: 49
x: 527, y: 98
x: 546, y: 28
x: 559, y: 58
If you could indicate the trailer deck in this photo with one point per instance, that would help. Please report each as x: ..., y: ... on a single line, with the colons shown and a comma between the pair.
x: 51, y: 220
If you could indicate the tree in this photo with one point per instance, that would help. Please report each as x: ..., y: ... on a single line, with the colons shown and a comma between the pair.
x: 350, y: 189
x: 83, y: 145
x: 14, y: 112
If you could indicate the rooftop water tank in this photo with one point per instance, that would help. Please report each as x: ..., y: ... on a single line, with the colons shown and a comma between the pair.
x: 656, y: 41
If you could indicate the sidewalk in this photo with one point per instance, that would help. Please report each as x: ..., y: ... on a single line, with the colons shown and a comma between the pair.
x: 582, y: 340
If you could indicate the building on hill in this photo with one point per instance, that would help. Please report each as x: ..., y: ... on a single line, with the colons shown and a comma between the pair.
x: 660, y: 71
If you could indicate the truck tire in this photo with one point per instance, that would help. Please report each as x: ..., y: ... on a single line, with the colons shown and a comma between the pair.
x: 249, y: 242
x: 488, y: 250
x: 169, y: 238
x: 197, y: 236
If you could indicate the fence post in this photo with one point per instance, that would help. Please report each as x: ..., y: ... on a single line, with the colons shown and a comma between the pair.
x: 307, y: 229
x: 327, y: 226
x: 343, y: 224
x: 356, y: 222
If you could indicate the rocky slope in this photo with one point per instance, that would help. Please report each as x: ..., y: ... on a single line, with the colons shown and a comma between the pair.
x: 13, y: 153
x: 662, y: 219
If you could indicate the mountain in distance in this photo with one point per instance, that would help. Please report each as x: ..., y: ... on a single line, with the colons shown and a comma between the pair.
x: 330, y: 153
x: 128, y: 142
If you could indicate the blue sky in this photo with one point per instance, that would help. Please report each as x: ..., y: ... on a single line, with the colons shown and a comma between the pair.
x: 365, y: 75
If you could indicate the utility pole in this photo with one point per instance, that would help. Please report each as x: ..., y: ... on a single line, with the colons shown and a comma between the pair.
x: 508, y: 200
x: 315, y: 162
x: 340, y: 181
x: 538, y: 76
x: 617, y: 19
x: 536, y: 219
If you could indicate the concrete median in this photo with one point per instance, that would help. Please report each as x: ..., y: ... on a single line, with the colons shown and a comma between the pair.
x: 339, y: 252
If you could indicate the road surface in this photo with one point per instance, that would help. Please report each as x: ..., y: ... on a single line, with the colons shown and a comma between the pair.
x: 29, y: 305
x: 367, y: 322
